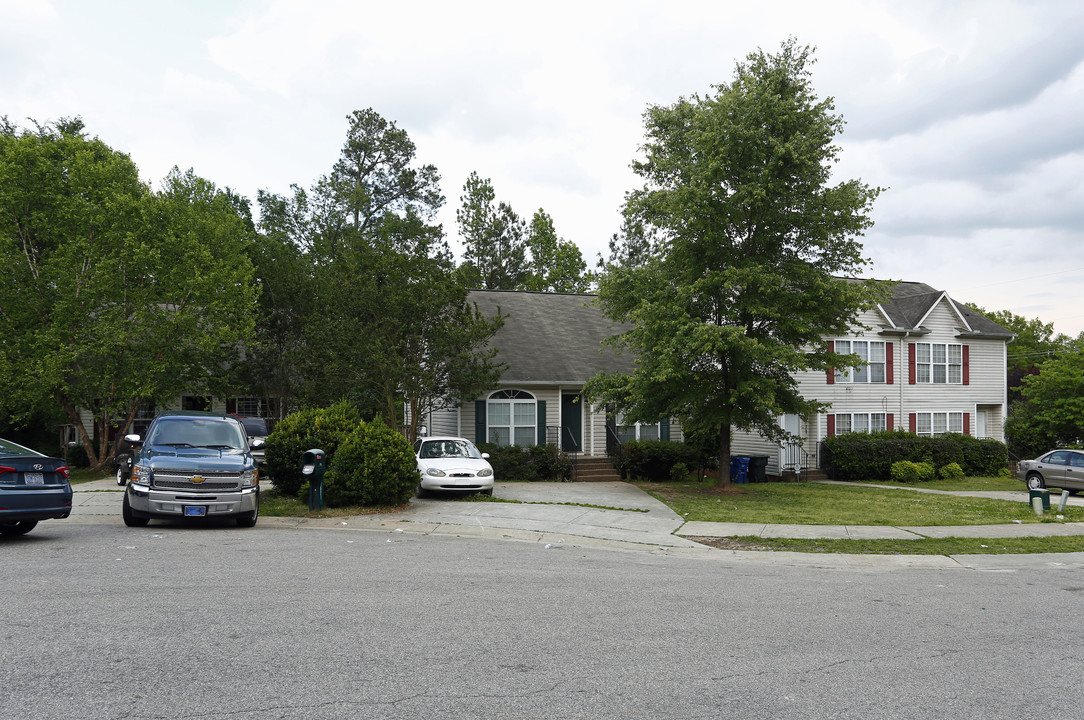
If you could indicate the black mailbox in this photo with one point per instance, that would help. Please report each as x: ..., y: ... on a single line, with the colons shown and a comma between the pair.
x: 313, y: 466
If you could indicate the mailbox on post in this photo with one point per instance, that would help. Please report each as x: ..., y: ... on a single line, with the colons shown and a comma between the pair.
x: 313, y: 466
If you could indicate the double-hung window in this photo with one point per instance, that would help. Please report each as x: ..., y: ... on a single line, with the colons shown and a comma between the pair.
x: 932, y: 424
x: 860, y: 423
x: 872, y: 354
x: 635, y: 431
x: 510, y: 416
x: 939, y: 363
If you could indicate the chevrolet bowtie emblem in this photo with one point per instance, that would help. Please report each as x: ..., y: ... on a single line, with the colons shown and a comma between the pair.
x: 197, y: 479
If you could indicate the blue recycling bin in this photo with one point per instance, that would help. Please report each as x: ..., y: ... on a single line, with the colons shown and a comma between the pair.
x: 739, y: 469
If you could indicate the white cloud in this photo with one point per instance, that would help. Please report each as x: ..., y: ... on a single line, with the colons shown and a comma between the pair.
x: 969, y: 111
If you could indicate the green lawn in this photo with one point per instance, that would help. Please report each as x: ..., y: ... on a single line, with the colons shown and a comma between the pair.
x: 925, y: 546
x: 822, y: 504
x: 982, y: 483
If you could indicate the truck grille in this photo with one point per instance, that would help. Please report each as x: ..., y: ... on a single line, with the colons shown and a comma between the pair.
x: 182, y: 480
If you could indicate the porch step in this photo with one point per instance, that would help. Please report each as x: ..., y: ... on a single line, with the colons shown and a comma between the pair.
x: 594, y: 469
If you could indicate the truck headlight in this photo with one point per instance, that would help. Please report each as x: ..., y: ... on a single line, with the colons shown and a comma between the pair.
x: 250, y: 477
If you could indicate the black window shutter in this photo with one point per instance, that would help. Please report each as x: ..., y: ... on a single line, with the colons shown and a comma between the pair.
x: 479, y: 421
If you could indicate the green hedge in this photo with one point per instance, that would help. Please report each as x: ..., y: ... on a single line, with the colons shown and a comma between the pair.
x: 322, y: 428
x: 528, y: 464
x: 374, y: 465
x: 654, y: 460
x: 870, y: 456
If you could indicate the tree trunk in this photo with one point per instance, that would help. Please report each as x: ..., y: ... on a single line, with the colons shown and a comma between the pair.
x: 84, y: 438
x: 724, y: 457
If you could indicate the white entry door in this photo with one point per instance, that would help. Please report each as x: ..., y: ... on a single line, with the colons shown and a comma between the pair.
x: 790, y: 455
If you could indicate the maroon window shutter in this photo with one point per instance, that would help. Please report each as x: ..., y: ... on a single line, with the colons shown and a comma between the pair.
x: 967, y: 371
x: 891, y: 422
x: 889, y: 364
x: 912, y: 422
x: 831, y: 371
x: 231, y: 405
x: 911, y: 363
x: 967, y: 423
x: 831, y: 425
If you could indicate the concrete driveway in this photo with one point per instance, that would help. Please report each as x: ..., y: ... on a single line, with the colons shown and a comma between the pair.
x: 602, y: 510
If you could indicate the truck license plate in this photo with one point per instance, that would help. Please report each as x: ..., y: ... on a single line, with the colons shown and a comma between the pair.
x: 195, y: 510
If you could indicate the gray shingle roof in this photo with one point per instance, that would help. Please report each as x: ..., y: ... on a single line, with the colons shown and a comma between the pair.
x: 551, y: 337
x: 557, y: 338
x: 911, y: 301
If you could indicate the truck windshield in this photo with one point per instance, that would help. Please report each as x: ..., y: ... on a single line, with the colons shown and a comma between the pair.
x: 197, y: 432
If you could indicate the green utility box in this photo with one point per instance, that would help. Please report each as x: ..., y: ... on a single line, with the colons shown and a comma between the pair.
x: 1040, y: 493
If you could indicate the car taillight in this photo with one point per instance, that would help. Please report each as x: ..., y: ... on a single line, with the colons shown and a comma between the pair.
x: 4, y: 477
x: 65, y: 471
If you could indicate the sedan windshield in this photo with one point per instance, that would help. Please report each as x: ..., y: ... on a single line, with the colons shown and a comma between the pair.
x: 449, y: 449
x: 197, y: 432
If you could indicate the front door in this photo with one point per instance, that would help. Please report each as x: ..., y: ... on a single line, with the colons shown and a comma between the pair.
x: 572, y: 422
x: 790, y: 455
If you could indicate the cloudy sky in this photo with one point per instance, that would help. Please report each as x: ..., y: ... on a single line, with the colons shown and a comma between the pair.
x: 971, y: 114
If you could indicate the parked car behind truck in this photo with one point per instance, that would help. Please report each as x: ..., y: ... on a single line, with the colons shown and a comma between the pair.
x: 193, y: 465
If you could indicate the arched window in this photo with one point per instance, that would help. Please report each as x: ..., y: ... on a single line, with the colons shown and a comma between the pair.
x: 511, y: 418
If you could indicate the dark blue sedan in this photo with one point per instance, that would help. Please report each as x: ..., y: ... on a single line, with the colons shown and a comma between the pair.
x: 33, y: 487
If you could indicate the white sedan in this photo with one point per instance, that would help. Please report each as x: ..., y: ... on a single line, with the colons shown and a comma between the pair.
x: 452, y: 464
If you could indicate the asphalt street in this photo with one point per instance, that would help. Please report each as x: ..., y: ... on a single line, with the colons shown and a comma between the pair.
x: 212, y: 621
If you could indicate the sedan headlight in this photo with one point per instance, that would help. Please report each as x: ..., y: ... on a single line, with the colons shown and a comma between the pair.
x: 434, y: 472
x: 485, y: 472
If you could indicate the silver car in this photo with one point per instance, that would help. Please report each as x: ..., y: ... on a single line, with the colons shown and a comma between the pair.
x: 1058, y: 468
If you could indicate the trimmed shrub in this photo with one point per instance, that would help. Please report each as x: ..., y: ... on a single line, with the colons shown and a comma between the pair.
x: 322, y: 428
x: 870, y: 456
x: 373, y: 465
x: 528, y: 464
x: 952, y: 471
x: 550, y: 463
x: 653, y: 460
x: 907, y: 471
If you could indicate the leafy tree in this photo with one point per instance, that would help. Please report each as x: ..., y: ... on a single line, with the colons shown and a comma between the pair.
x: 1051, y: 412
x: 374, y: 179
x: 495, y: 256
x: 630, y: 247
x: 111, y: 296
x: 740, y: 285
x: 381, y: 318
x: 276, y: 360
x: 1034, y: 344
x: 556, y: 265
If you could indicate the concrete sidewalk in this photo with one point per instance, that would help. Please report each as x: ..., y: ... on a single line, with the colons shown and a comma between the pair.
x: 605, y: 511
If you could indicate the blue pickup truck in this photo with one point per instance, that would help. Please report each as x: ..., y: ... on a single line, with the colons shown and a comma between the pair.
x: 193, y: 465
